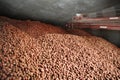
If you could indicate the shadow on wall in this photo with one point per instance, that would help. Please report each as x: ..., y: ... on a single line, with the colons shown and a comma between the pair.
x: 110, y: 35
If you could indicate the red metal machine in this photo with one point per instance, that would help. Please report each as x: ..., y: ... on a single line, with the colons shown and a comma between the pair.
x: 110, y: 23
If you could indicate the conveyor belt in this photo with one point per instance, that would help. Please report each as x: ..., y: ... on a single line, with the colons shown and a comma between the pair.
x: 112, y: 24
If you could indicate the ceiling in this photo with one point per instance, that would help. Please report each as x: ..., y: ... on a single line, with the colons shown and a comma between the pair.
x: 51, y: 11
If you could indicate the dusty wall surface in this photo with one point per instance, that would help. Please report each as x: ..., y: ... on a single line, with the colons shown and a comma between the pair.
x: 54, y: 11
x: 51, y: 53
